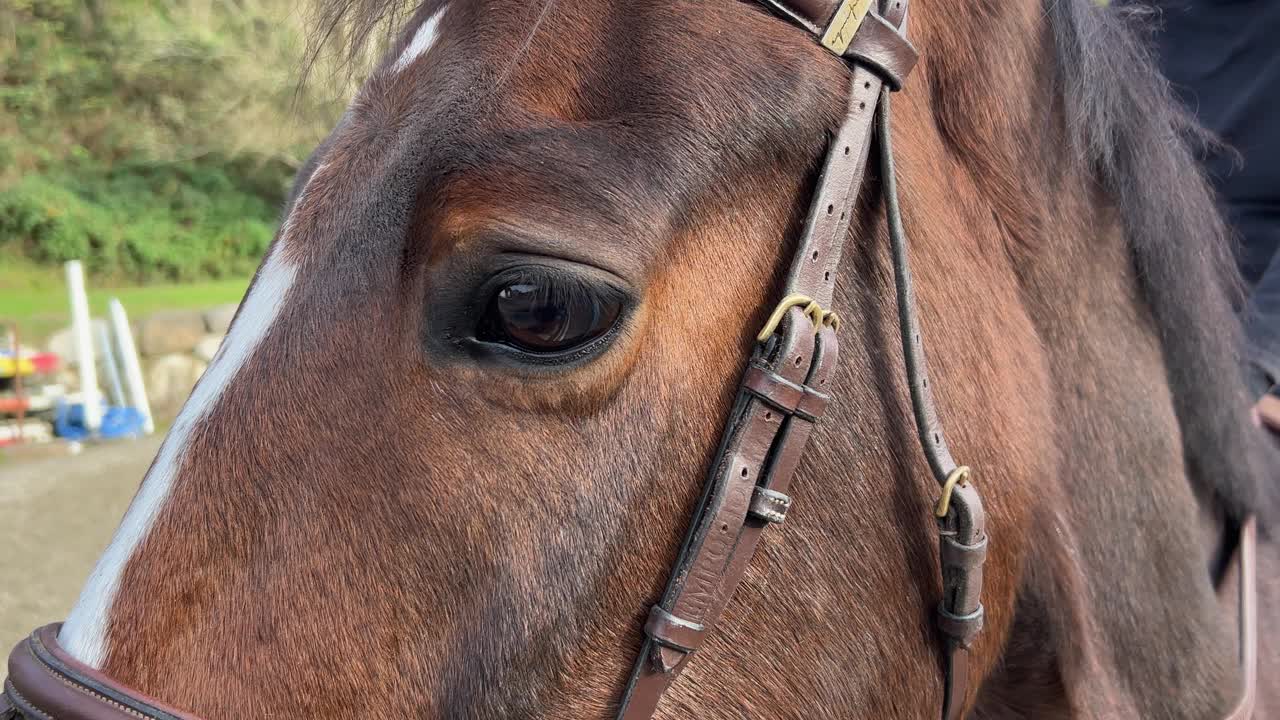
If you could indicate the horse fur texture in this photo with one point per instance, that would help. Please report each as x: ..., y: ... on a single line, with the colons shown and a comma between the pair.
x: 449, y: 532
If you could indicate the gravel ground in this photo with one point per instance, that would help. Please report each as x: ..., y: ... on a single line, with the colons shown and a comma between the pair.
x: 59, y: 513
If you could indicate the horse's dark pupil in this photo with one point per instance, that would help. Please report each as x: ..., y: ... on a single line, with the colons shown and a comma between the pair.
x: 540, y: 318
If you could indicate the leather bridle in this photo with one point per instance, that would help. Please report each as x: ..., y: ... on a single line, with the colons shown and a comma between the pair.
x: 782, y: 394
x: 784, y: 389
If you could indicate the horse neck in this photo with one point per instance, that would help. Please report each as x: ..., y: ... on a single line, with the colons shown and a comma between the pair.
x: 1053, y: 382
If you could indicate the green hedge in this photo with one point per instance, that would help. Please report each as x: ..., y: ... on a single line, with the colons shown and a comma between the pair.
x: 175, y: 222
x: 153, y: 140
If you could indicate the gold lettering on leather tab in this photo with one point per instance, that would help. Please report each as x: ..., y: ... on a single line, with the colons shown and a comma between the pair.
x: 845, y: 25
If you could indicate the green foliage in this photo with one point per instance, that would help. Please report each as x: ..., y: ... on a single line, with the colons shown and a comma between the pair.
x: 180, y: 222
x: 151, y: 139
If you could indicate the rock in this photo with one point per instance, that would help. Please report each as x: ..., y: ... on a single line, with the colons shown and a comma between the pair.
x: 170, y: 331
x: 170, y: 379
x: 218, y: 320
x: 68, y: 378
x: 63, y: 342
x: 207, y: 347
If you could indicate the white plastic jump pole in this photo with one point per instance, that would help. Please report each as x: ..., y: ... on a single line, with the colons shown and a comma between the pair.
x: 109, y: 360
x: 132, y: 366
x: 84, y: 346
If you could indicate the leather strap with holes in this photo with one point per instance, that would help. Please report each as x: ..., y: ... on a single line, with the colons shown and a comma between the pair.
x: 784, y: 388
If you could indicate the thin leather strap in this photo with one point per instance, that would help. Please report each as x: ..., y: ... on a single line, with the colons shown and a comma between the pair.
x: 962, y: 536
x: 1247, y: 567
x: 782, y: 394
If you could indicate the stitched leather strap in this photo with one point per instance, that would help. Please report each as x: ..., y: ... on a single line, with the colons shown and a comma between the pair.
x: 783, y: 391
x: 46, y: 682
x: 962, y: 530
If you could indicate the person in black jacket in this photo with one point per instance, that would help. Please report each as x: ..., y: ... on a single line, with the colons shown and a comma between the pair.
x: 1222, y: 58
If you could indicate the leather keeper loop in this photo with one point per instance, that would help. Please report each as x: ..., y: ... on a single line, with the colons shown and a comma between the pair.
x: 964, y: 557
x: 960, y: 628
x: 769, y: 505
x: 772, y: 388
x: 784, y: 395
x: 882, y: 49
x: 670, y: 631
x: 812, y: 405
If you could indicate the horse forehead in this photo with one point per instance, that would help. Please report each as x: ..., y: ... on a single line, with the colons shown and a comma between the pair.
x: 568, y: 57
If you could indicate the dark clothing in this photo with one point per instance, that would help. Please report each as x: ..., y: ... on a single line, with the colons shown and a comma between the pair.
x: 1223, y: 59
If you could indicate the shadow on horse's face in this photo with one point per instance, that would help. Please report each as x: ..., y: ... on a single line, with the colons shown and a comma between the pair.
x: 449, y: 449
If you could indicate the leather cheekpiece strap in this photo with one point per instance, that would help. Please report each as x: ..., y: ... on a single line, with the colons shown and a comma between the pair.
x: 783, y: 391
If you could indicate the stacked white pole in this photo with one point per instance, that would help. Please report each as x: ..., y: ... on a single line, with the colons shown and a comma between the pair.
x: 80, y: 325
x: 132, y: 366
x: 109, y: 360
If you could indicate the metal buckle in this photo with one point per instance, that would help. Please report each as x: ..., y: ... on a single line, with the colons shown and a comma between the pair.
x: 845, y: 25
x: 812, y: 310
x: 959, y: 476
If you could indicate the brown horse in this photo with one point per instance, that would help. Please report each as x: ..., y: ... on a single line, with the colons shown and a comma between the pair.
x: 445, y: 458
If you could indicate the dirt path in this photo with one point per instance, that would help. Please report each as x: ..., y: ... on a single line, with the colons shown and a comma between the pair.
x: 59, y: 514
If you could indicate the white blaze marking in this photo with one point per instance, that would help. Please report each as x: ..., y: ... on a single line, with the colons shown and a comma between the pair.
x: 423, y: 39
x: 85, y: 633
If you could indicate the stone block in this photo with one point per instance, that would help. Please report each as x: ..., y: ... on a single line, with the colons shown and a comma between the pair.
x: 217, y: 320
x: 170, y: 331
x: 170, y: 379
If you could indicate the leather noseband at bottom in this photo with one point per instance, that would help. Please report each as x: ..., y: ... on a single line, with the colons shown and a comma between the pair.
x: 46, y: 683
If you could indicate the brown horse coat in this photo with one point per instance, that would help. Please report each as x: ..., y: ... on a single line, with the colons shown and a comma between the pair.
x: 375, y: 517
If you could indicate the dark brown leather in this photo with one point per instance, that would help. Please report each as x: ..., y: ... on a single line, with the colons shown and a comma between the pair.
x: 769, y: 505
x: 46, y: 682
x: 785, y: 395
x: 771, y: 419
x: 880, y: 46
x: 670, y: 631
x: 962, y: 529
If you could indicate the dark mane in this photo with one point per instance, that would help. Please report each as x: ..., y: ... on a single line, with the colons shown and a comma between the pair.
x: 1123, y: 119
x: 348, y: 27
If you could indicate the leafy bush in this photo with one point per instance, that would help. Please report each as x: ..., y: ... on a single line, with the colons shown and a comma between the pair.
x: 179, y: 222
x: 151, y: 140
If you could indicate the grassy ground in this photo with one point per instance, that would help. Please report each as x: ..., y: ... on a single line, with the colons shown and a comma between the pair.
x: 36, y: 298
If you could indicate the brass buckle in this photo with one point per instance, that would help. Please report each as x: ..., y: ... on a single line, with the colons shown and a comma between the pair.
x: 812, y: 310
x: 845, y: 25
x: 959, y: 476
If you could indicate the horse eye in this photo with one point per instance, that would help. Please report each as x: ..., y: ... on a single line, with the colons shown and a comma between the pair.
x: 543, y: 317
